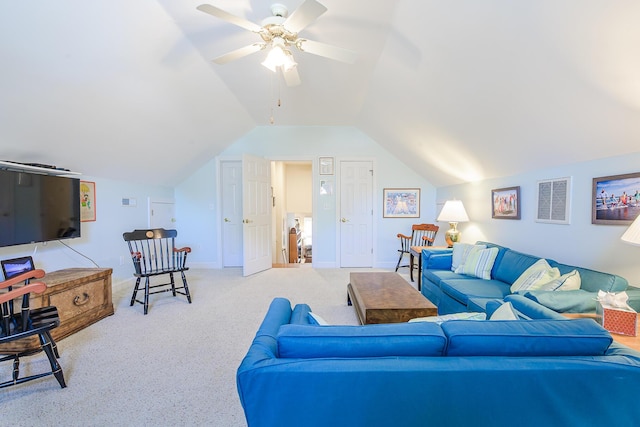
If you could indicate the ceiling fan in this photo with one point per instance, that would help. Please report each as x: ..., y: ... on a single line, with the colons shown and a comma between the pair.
x: 279, y: 33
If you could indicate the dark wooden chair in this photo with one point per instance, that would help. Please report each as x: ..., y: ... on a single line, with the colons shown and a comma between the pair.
x: 421, y: 235
x: 154, y: 253
x: 26, y: 323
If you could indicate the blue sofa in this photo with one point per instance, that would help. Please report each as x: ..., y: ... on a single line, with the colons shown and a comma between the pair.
x: 544, y: 372
x: 454, y: 293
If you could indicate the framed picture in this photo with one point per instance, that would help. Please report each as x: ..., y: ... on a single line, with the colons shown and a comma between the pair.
x: 505, y: 203
x: 401, y: 203
x: 615, y: 199
x: 554, y: 201
x: 87, y: 201
x: 326, y: 165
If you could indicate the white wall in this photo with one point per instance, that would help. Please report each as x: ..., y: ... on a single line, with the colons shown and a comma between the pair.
x: 580, y: 243
x: 101, y: 240
x: 198, y: 194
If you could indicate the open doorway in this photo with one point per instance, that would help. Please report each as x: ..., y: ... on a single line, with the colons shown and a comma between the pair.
x: 292, y: 239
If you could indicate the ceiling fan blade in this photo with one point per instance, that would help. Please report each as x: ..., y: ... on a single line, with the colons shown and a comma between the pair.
x: 239, y: 53
x: 291, y: 77
x: 328, y: 51
x: 236, y: 20
x: 304, y: 15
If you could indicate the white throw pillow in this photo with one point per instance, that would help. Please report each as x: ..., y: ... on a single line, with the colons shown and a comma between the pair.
x: 317, y: 319
x: 535, y: 277
x: 479, y: 263
x: 567, y: 282
x: 454, y: 316
x: 504, y: 312
x: 460, y: 253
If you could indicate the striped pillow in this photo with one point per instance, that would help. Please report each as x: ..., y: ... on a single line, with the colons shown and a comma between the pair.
x: 567, y: 282
x: 479, y: 263
x: 535, y: 276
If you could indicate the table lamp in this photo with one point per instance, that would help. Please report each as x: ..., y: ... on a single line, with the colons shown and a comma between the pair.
x: 453, y: 212
x: 632, y: 235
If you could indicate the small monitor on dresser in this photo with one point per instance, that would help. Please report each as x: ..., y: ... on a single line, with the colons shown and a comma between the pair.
x: 13, y: 267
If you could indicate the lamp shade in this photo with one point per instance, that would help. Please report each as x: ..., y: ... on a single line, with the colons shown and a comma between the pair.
x: 632, y: 235
x: 453, y: 211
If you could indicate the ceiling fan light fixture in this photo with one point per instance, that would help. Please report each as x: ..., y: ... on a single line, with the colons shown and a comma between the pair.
x: 279, y: 57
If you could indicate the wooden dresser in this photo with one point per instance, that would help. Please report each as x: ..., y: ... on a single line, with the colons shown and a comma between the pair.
x: 82, y: 296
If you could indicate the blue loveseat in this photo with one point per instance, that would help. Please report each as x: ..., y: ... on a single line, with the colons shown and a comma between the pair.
x: 544, y: 372
x: 454, y: 293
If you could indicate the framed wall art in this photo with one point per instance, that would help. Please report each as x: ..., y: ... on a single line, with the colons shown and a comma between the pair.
x: 615, y: 199
x: 401, y: 203
x: 505, y: 203
x: 326, y: 165
x: 87, y: 201
x: 554, y: 201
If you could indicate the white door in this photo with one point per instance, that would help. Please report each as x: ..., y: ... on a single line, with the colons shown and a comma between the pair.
x: 232, y: 214
x: 162, y: 214
x: 256, y: 212
x: 356, y: 214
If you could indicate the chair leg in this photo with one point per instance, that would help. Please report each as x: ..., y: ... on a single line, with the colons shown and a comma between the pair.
x: 16, y: 368
x: 186, y: 287
x: 399, y: 259
x: 56, y: 369
x: 173, y: 284
x: 146, y: 295
x: 135, y: 291
x: 54, y: 346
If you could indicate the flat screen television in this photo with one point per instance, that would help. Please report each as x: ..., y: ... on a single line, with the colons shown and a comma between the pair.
x: 38, y: 208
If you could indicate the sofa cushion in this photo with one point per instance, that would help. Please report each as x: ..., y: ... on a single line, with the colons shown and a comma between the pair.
x: 437, y: 276
x: 534, y: 277
x: 512, y: 265
x: 463, y: 289
x: 478, y: 263
x: 579, y: 301
x: 579, y: 337
x: 593, y: 281
x: 400, y: 339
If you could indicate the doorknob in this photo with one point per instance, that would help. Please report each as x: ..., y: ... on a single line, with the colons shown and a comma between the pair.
x: 247, y: 221
x: 227, y: 220
x: 344, y: 220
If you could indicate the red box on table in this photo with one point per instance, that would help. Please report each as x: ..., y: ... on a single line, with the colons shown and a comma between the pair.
x: 617, y: 319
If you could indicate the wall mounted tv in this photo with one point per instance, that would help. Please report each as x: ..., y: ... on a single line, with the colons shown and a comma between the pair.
x: 38, y: 208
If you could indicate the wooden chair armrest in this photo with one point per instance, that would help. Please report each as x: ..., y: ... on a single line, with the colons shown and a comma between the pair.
x: 27, y: 275
x: 402, y: 236
x: 37, y: 288
x: 137, y: 255
x: 428, y: 239
x: 186, y: 249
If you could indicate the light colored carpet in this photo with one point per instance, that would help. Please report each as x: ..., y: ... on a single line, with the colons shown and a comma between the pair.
x: 177, y: 365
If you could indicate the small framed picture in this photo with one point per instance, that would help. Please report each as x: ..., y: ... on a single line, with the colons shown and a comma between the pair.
x: 505, y: 203
x: 87, y: 201
x: 615, y: 199
x: 326, y: 165
x: 401, y: 203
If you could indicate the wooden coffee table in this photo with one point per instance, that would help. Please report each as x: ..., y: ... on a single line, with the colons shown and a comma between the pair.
x: 384, y: 297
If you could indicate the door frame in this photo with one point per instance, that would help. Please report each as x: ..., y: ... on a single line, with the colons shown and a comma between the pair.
x: 375, y: 204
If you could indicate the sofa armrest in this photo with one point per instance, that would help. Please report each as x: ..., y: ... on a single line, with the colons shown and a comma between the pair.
x: 437, y: 259
x: 578, y: 301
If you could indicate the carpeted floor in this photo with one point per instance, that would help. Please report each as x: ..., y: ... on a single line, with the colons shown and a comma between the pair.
x: 176, y: 366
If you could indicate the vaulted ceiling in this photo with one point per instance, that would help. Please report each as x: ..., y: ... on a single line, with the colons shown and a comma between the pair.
x: 124, y: 89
